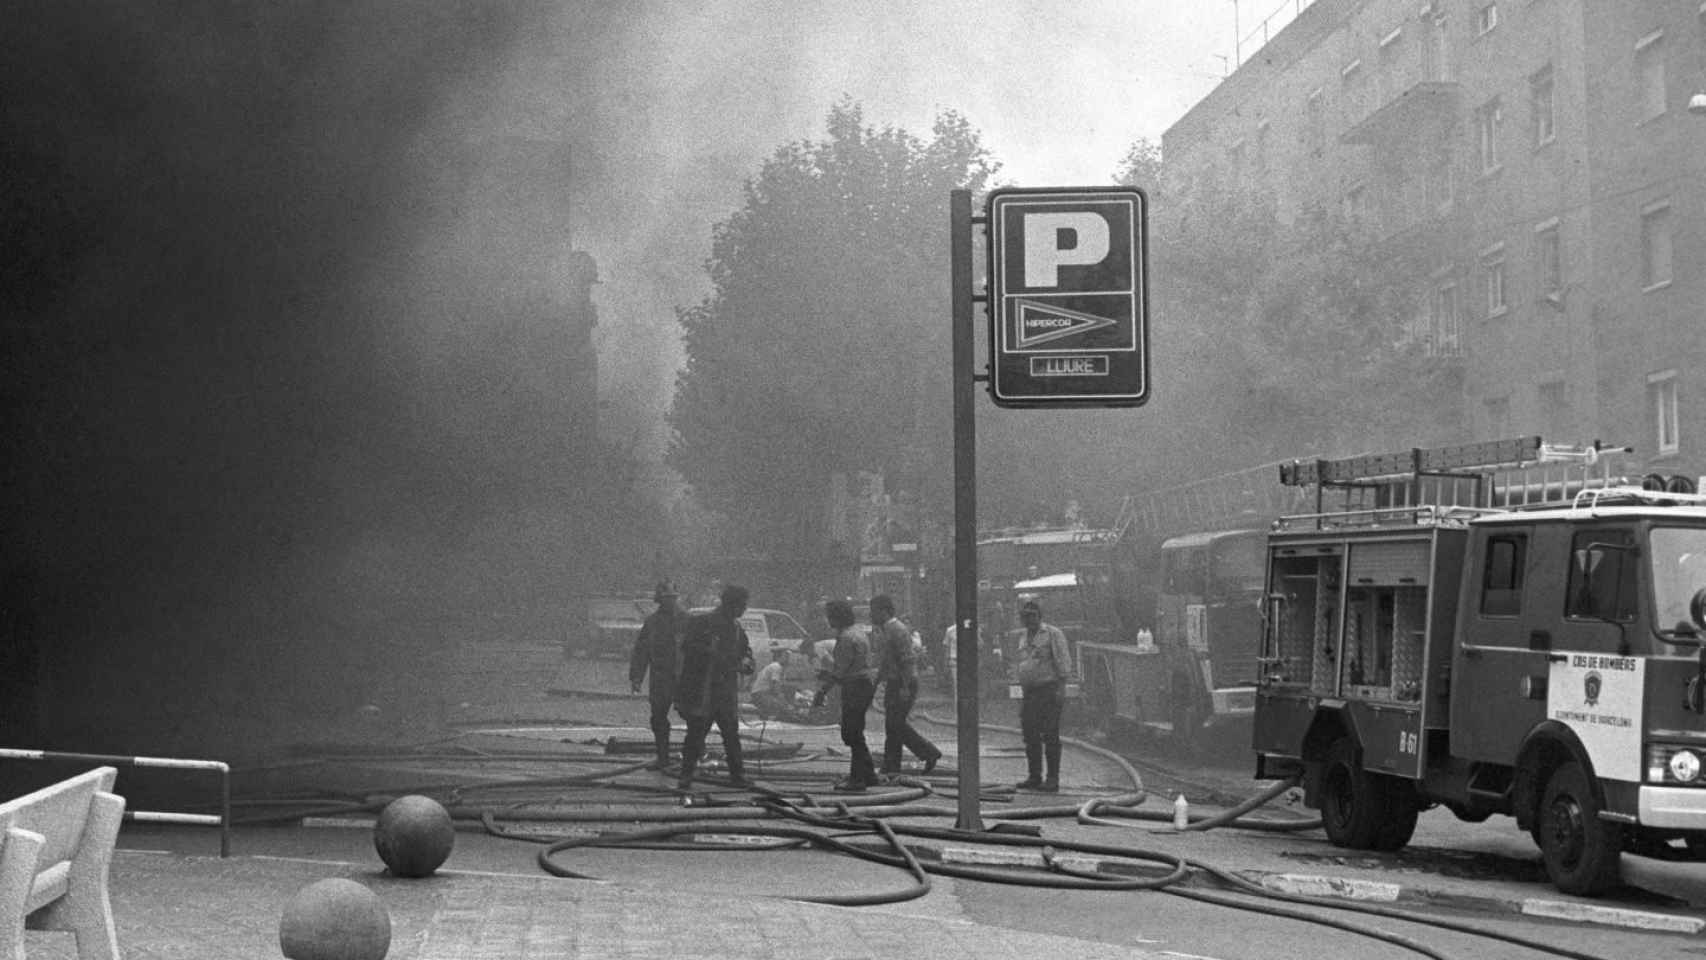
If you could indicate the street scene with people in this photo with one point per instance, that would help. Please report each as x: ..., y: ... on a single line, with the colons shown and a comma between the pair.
x: 752, y: 479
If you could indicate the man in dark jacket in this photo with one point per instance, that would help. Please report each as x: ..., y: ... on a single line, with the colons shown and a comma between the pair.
x: 656, y: 650
x: 897, y: 671
x: 715, y: 653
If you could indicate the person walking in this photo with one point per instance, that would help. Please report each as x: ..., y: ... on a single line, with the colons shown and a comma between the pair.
x: 656, y: 652
x: 852, y: 671
x: 1043, y: 665
x: 715, y: 653
x: 897, y: 671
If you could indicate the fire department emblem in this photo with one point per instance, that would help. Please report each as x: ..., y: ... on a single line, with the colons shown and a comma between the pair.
x: 1590, y: 687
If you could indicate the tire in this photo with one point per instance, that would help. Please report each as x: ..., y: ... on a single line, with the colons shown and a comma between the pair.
x: 1402, y: 809
x: 1353, y: 803
x: 1182, y: 714
x: 1582, y: 852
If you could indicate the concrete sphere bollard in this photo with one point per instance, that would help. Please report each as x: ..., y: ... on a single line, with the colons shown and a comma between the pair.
x: 413, y: 836
x: 335, y: 919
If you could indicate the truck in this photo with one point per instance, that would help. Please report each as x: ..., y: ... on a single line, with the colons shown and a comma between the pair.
x: 1505, y: 628
x: 1177, y: 601
x: 1189, y: 673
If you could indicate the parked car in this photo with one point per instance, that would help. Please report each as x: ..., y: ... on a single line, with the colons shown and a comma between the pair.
x: 611, y: 625
x: 768, y: 631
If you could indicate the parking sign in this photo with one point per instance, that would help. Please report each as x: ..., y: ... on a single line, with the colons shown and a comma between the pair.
x: 1068, y: 296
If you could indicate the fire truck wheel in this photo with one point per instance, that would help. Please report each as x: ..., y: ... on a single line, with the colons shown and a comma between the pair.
x: 1582, y: 852
x: 1353, y: 801
x: 1183, y: 715
x: 1402, y: 809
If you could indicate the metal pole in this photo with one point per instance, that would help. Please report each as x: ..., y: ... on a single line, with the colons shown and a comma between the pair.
x: 965, y: 514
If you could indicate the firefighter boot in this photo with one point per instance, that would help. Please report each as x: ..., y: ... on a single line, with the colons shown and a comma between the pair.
x: 737, y: 764
x: 1034, y: 764
x: 1051, y: 782
x: 662, y: 756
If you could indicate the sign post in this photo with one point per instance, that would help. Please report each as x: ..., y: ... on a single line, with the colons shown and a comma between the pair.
x: 969, y: 816
x: 1068, y: 297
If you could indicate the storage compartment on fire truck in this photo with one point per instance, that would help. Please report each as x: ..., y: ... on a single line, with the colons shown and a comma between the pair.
x: 1358, y: 634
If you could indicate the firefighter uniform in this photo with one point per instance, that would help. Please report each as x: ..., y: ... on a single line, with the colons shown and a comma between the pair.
x: 715, y: 652
x: 656, y: 651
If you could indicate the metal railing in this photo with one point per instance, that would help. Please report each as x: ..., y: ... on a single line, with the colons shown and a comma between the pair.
x: 223, y: 821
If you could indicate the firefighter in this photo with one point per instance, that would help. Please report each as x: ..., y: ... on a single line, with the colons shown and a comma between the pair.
x: 1044, y: 664
x: 715, y: 653
x: 656, y: 650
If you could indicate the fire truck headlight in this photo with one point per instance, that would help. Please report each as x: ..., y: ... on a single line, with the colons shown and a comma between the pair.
x: 1684, y: 766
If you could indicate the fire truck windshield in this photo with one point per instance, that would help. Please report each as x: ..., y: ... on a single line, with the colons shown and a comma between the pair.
x: 1679, y: 571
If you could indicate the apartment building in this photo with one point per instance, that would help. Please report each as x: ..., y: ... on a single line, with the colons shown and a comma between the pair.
x: 1552, y: 143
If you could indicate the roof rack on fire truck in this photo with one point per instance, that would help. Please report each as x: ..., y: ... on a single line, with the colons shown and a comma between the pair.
x: 1451, y: 483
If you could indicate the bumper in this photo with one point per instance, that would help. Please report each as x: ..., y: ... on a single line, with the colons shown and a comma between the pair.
x: 1681, y: 808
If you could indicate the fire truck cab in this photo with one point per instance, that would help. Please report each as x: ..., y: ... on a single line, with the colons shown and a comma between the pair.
x: 1540, y: 659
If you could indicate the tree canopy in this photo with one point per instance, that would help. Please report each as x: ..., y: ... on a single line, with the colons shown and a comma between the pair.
x: 819, y: 350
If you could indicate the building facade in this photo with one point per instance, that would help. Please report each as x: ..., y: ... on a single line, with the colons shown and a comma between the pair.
x: 1551, y: 144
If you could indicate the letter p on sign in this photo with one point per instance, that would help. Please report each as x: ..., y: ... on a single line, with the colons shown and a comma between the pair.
x: 1053, y: 240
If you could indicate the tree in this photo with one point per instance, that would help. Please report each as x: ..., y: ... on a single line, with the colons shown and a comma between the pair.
x: 820, y: 349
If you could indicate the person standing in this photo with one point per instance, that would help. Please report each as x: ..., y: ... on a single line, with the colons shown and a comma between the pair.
x: 715, y: 653
x: 656, y: 651
x: 897, y: 671
x: 1043, y: 665
x: 852, y: 671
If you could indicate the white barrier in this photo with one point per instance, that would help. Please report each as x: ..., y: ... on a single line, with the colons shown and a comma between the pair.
x: 223, y: 821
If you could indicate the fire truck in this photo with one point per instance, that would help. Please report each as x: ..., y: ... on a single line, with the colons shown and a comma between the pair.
x: 1183, y: 596
x: 1496, y: 628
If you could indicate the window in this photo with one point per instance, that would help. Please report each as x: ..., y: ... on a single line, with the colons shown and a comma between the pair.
x: 1315, y: 123
x: 1488, y: 119
x: 1661, y: 394
x: 1501, y: 581
x: 1602, y: 576
x: 1548, y: 260
x: 1541, y: 91
x: 1650, y: 77
x: 1356, y: 203
x: 1486, y: 18
x: 1446, y: 320
x: 1387, y: 81
x: 1493, y: 272
x: 1655, y: 245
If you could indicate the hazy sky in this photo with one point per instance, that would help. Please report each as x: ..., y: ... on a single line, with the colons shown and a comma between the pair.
x: 692, y: 98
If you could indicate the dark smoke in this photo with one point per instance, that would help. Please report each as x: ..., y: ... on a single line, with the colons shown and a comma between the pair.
x: 248, y: 479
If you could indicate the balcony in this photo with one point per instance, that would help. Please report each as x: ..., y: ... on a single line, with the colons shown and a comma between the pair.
x: 1423, y: 109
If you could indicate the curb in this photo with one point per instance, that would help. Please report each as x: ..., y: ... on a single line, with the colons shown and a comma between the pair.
x: 1324, y: 887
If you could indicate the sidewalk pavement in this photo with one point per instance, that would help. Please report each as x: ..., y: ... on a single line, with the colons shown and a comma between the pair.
x: 195, y: 908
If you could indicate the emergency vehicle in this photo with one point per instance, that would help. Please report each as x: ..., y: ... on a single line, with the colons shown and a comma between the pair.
x: 1196, y: 669
x: 1181, y: 594
x: 1496, y: 628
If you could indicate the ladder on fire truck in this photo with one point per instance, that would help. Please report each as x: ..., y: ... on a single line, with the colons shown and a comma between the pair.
x: 1497, y: 474
x: 1244, y: 498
